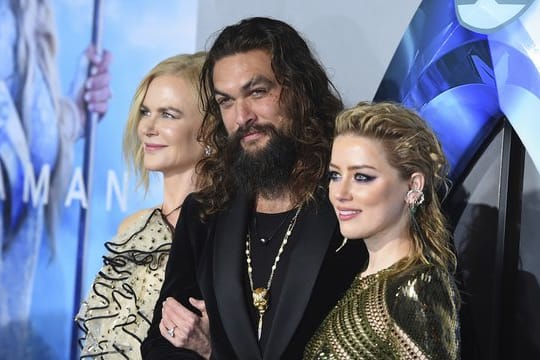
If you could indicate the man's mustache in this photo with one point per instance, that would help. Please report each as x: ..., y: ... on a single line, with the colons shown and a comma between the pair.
x: 246, y: 129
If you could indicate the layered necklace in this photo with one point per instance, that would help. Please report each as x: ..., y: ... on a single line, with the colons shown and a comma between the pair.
x: 266, y: 239
x: 261, y: 295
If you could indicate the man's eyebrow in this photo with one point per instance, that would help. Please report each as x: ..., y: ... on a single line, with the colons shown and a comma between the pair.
x: 254, y: 81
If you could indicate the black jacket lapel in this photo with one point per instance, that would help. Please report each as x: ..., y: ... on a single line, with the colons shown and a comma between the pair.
x: 229, y: 261
x: 317, y: 226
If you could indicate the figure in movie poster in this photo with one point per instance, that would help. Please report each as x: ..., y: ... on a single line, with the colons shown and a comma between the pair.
x: 39, y: 125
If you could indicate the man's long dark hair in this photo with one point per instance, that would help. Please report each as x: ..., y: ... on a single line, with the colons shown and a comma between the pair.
x: 308, y: 97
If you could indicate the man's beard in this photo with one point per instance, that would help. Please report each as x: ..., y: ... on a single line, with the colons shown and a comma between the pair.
x: 264, y: 171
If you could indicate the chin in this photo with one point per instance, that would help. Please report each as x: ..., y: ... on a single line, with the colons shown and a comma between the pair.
x: 252, y: 148
x: 255, y: 145
x: 350, y: 233
x: 152, y: 167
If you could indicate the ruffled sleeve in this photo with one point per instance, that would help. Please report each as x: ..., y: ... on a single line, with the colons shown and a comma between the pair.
x: 117, y: 313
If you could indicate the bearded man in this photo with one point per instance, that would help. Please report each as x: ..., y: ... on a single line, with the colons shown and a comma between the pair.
x: 260, y: 243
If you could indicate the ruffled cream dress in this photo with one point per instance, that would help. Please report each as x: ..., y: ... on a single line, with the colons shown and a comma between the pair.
x: 117, y: 313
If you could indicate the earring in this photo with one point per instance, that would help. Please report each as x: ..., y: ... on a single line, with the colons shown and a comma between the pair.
x: 414, y: 198
x: 207, y: 150
x: 342, y: 244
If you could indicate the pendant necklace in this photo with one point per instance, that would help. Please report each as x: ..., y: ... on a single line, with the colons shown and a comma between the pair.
x: 260, y: 295
x: 266, y: 239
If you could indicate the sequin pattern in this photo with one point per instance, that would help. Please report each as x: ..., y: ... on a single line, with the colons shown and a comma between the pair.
x: 392, y: 316
x: 118, y: 311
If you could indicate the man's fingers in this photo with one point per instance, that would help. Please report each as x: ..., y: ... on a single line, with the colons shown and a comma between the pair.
x: 198, y: 304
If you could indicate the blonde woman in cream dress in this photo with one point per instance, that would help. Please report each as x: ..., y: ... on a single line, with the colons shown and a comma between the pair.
x: 161, y: 135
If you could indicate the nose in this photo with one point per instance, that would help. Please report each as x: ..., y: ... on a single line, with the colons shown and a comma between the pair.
x: 244, y: 112
x: 148, y: 126
x: 341, y: 191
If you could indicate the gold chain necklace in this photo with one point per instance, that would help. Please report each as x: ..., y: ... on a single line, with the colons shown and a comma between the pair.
x: 260, y: 295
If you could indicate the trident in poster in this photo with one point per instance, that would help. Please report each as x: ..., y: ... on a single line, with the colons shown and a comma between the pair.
x: 88, y: 163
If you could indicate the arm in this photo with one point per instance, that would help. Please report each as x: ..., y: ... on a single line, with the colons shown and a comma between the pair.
x: 425, y: 310
x: 180, y: 283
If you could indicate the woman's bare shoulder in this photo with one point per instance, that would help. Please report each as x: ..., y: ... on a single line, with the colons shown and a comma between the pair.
x: 128, y: 222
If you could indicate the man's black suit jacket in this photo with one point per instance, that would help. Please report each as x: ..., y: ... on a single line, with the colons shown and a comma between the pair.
x: 208, y: 260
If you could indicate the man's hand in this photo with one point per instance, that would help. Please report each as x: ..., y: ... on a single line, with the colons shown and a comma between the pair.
x: 183, y: 328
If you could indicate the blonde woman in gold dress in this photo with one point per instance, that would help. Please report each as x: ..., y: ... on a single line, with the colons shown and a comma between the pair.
x: 386, y: 171
x: 160, y: 136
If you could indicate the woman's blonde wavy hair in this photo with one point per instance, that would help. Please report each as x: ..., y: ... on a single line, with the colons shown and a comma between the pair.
x: 187, y: 66
x: 411, y: 146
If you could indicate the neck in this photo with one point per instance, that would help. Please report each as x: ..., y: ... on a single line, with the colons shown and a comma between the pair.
x: 275, y: 204
x: 175, y: 189
x: 384, y: 253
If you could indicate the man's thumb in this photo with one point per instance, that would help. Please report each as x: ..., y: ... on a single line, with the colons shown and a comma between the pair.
x: 199, y: 304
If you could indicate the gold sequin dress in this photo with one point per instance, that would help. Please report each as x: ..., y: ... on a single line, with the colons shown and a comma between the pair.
x: 118, y: 311
x: 411, y: 315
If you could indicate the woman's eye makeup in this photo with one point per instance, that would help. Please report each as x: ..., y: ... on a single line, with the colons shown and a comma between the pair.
x: 363, y: 177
